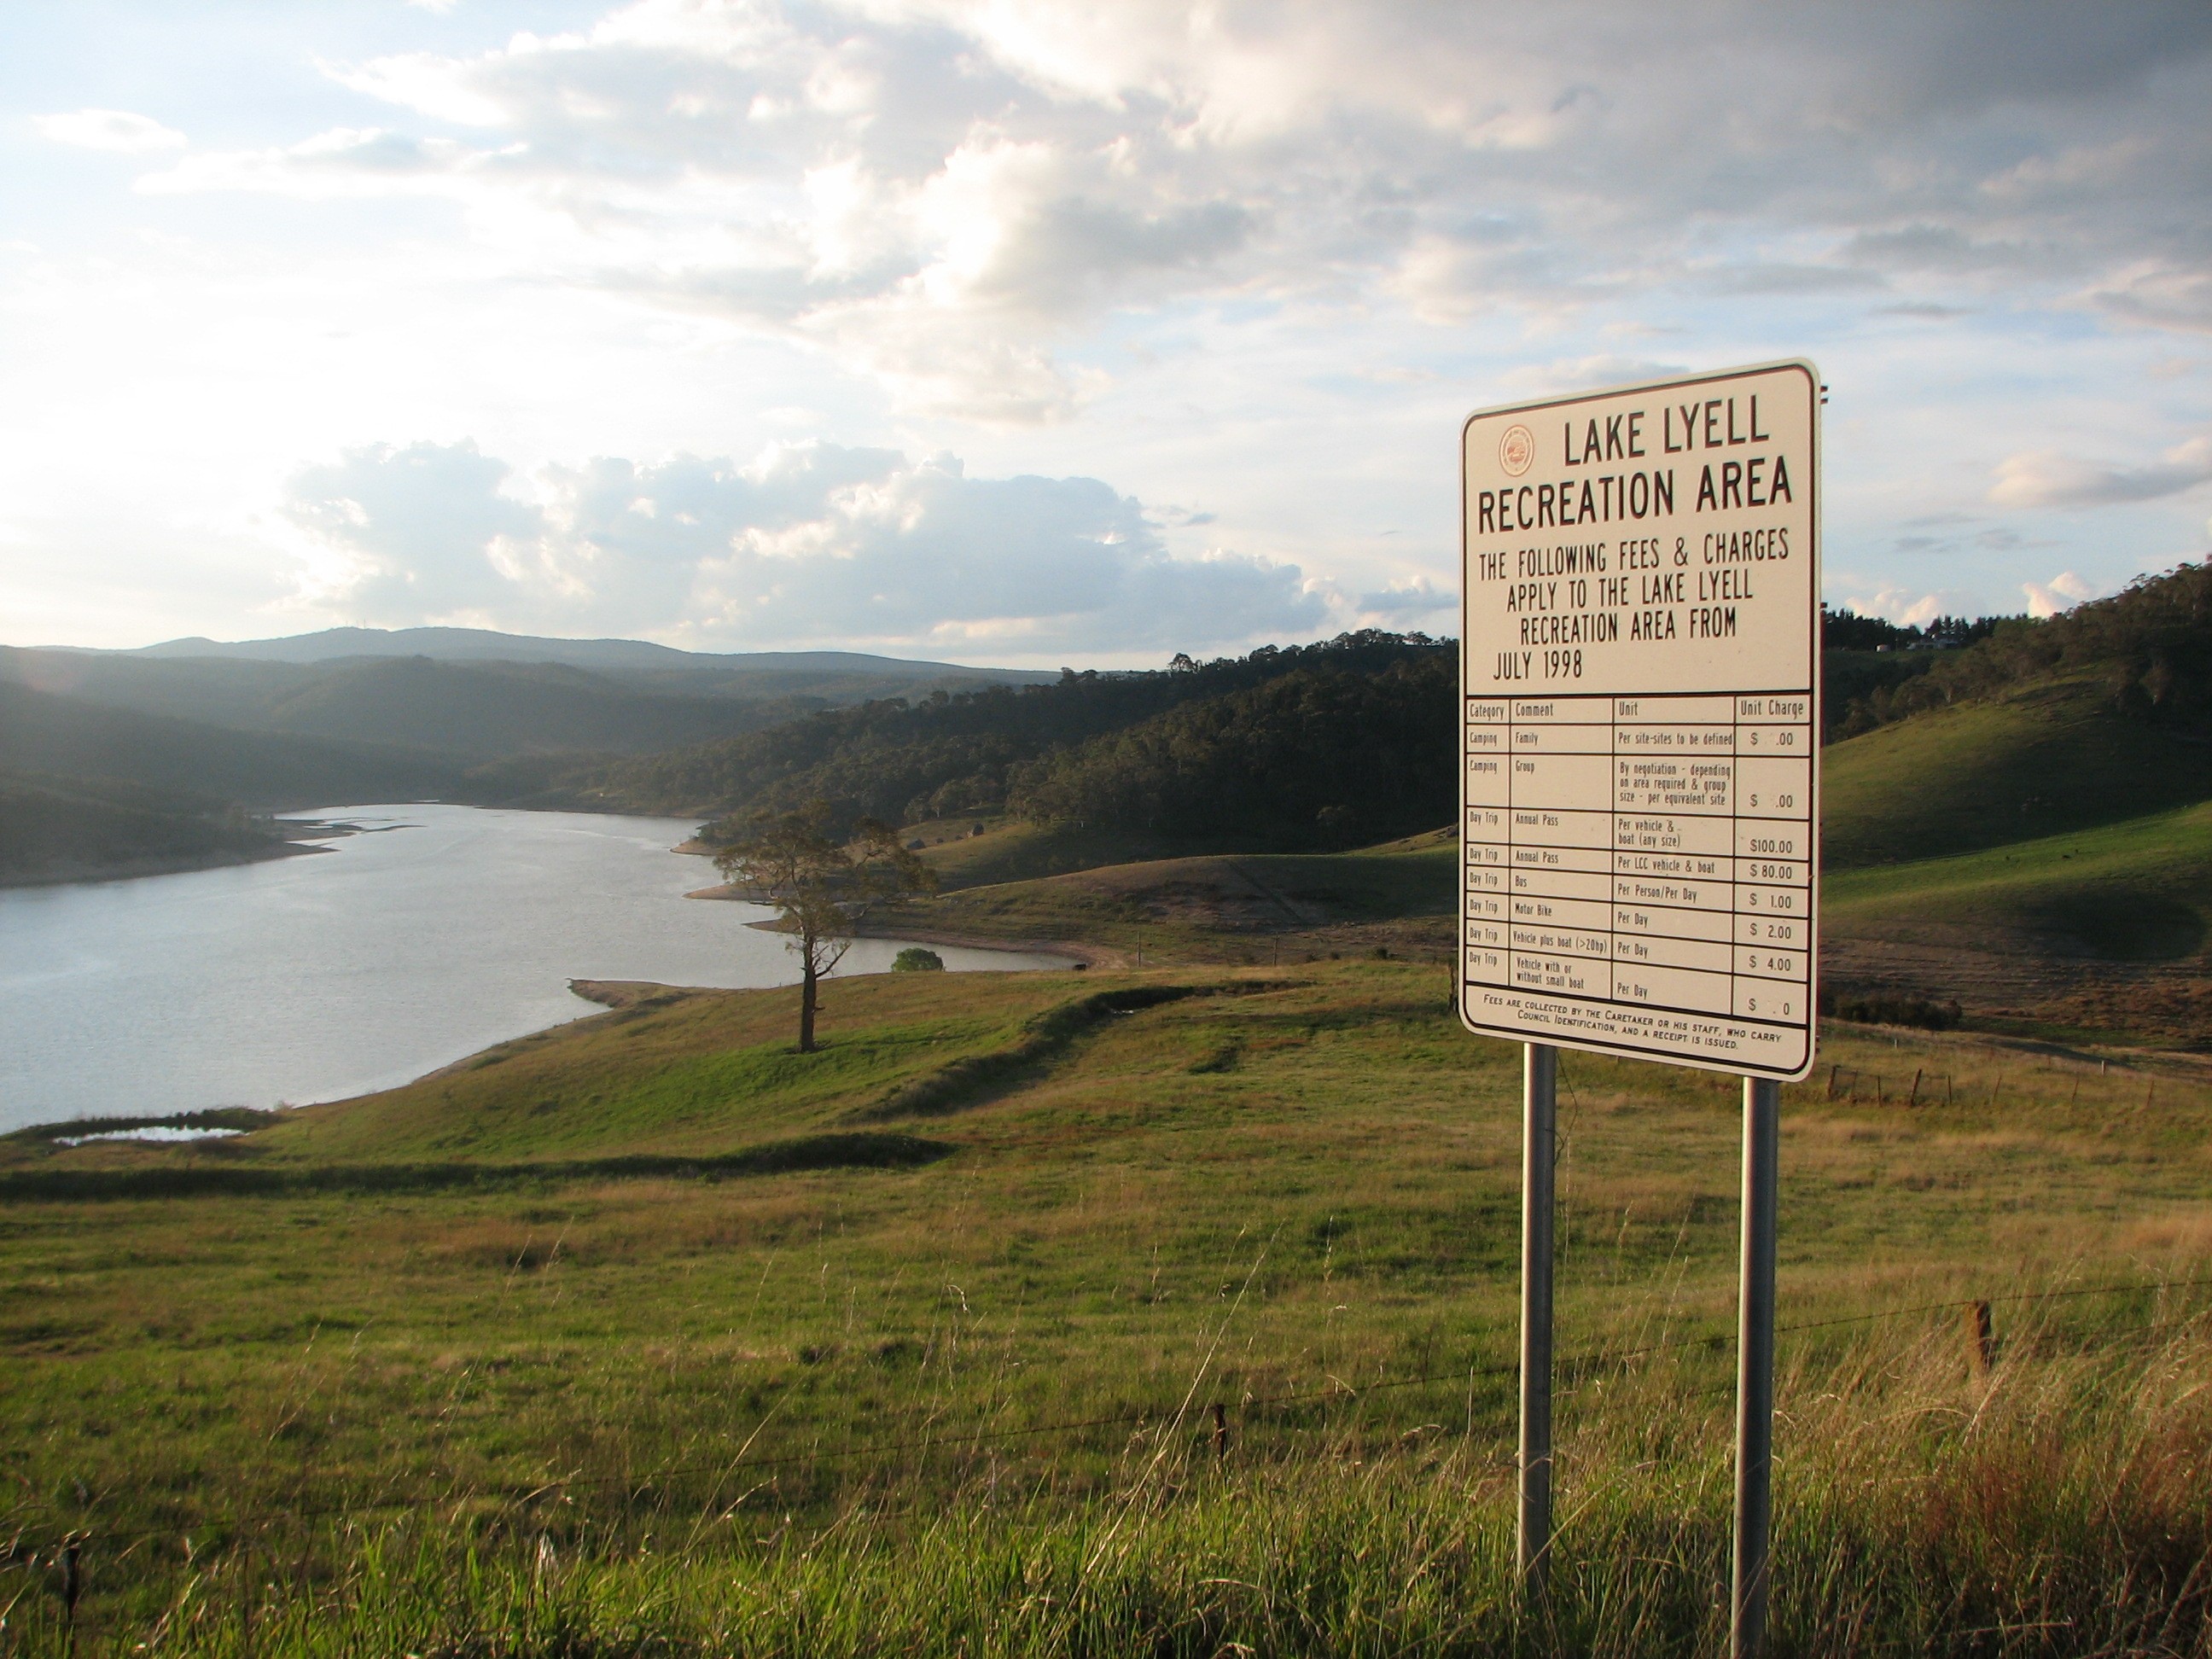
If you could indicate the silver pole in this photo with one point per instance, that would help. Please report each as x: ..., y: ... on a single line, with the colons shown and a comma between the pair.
x: 1539, y: 1118
x: 1754, y: 1376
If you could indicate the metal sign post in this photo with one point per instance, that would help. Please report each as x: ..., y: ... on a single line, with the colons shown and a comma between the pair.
x: 1539, y: 1116
x: 1640, y: 681
x: 1754, y: 1369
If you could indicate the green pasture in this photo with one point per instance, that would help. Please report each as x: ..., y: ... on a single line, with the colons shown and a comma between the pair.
x: 2044, y: 758
x: 437, y: 1370
x: 1170, y: 904
x: 2136, y: 890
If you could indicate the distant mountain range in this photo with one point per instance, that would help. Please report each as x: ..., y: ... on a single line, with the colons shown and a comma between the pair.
x: 635, y: 656
x: 481, y: 696
x: 357, y: 715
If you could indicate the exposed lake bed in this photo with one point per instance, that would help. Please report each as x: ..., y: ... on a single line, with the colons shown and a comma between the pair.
x: 419, y: 935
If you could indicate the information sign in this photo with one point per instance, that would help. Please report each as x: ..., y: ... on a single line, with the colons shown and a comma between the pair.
x: 1640, y: 721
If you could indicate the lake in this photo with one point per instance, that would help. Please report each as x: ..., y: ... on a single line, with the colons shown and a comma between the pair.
x: 439, y: 931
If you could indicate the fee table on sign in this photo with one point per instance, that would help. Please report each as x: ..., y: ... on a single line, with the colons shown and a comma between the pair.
x: 1640, y: 729
x: 1644, y: 850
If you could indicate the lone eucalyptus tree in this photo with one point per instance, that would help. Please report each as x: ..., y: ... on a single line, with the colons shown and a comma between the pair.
x: 822, y: 886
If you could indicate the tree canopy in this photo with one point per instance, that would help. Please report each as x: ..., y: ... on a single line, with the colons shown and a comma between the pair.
x: 822, y: 884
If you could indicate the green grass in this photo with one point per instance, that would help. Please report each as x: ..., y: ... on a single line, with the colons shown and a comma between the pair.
x: 2048, y: 758
x: 2138, y: 891
x: 1214, y: 908
x: 568, y: 1406
x: 1012, y: 849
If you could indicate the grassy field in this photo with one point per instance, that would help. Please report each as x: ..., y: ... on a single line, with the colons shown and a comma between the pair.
x: 2097, y: 933
x: 2039, y: 760
x: 2133, y: 891
x: 644, y: 1334
x: 1250, y: 908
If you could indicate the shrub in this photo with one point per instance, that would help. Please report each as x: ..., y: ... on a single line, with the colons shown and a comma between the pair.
x: 916, y: 960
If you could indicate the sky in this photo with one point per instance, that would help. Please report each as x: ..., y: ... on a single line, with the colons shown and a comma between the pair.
x: 1037, y: 334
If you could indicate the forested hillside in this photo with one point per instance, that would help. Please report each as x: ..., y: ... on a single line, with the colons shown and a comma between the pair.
x: 1318, y: 758
x: 61, y: 828
x: 65, y: 736
x: 2150, y: 646
x: 2038, y: 727
x: 474, y: 711
x: 953, y: 754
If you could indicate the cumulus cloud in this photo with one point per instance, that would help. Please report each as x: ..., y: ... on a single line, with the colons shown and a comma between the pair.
x: 1410, y: 604
x: 1906, y: 606
x: 428, y: 529
x: 808, y: 542
x: 116, y: 130
x: 943, y: 193
x: 2052, y: 477
x: 2062, y: 592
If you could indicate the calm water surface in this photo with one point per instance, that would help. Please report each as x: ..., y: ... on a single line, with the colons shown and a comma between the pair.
x: 443, y: 930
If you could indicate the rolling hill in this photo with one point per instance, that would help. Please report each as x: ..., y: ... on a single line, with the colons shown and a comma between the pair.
x: 608, y: 656
x: 481, y: 708
x: 1295, y: 733
x: 67, y: 736
x: 2024, y: 760
x: 58, y: 829
x: 2022, y: 826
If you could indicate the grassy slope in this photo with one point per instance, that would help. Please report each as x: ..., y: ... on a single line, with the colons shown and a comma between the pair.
x: 1010, y: 849
x: 670, y: 1074
x: 2139, y: 891
x: 1203, y: 908
x: 1303, y: 1184
x: 2044, y: 759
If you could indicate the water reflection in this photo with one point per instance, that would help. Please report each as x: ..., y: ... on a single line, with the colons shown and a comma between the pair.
x: 329, y: 973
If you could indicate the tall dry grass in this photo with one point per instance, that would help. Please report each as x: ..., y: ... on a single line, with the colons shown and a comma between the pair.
x: 2057, y: 1504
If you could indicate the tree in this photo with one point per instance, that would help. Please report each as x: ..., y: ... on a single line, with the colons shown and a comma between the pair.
x: 823, y: 888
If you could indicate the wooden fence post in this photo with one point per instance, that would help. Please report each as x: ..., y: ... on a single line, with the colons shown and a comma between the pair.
x: 1981, y: 1346
x: 1915, y: 1101
x: 1220, y: 1432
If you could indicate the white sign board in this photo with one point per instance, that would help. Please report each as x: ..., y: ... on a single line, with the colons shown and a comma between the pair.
x: 1640, y: 725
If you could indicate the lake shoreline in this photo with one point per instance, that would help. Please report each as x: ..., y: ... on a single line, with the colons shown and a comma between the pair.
x: 1076, y: 950
x: 179, y: 864
x: 438, y: 932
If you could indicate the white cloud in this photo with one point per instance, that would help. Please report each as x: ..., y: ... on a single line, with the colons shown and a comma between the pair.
x: 809, y: 542
x: 116, y: 130
x: 1252, y: 258
x: 1573, y: 373
x: 1906, y: 606
x: 1416, y: 604
x: 942, y: 193
x: 2052, y: 477
x: 2062, y: 592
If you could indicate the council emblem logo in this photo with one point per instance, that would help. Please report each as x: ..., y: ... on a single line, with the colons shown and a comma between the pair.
x: 1517, y: 447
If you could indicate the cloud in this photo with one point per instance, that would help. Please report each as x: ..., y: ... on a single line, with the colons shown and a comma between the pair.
x: 116, y: 130
x: 1572, y: 373
x: 1405, y: 604
x: 2062, y: 592
x: 2158, y: 295
x: 2050, y: 478
x: 808, y: 542
x: 427, y: 529
x: 1906, y: 606
x: 945, y: 196
x: 357, y: 162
